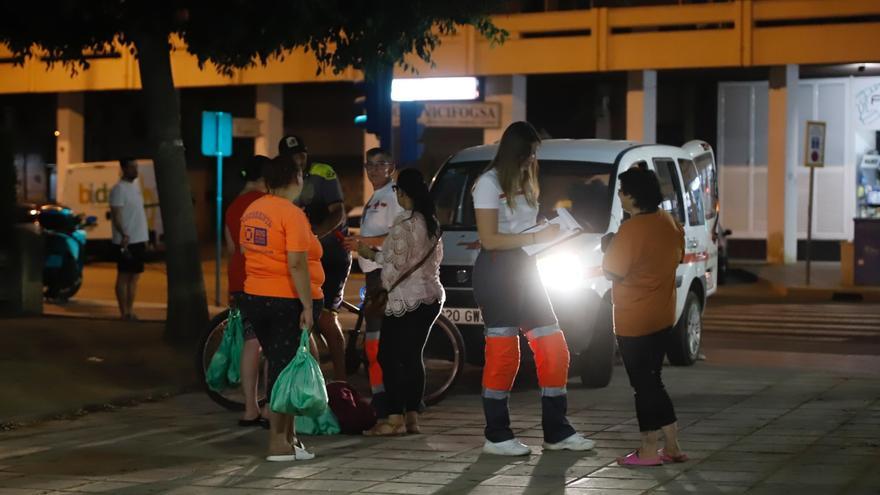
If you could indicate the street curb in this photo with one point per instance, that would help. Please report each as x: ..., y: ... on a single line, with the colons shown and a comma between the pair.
x: 835, y: 294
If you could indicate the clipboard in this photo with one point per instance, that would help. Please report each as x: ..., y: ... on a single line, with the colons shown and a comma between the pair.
x: 568, y: 228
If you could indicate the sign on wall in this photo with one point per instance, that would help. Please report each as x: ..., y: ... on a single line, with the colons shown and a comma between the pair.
x: 477, y: 114
x: 814, y: 144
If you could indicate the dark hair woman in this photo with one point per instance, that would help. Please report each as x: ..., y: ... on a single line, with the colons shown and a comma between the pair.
x: 641, y: 262
x: 512, y: 298
x: 282, y: 286
x: 410, y: 259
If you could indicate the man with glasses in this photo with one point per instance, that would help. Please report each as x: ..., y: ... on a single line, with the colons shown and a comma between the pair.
x: 378, y: 217
x: 321, y: 199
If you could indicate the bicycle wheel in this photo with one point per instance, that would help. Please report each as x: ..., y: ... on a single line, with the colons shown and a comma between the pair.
x: 231, y: 398
x: 444, y: 356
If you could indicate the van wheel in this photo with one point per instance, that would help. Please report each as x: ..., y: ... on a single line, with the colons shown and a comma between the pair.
x: 595, y: 364
x: 684, y: 344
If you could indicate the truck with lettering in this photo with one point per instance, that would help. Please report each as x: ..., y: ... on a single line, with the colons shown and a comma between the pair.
x: 85, y: 188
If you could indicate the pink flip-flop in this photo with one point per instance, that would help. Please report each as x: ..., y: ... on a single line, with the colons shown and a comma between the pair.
x: 666, y: 458
x: 633, y: 459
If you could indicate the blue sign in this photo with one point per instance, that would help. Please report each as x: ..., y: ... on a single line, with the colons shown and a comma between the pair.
x: 216, y: 134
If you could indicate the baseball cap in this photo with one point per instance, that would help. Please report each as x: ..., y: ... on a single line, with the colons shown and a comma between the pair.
x: 290, y: 145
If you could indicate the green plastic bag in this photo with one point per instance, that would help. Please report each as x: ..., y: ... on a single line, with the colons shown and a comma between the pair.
x: 300, y: 389
x: 225, y: 368
x: 325, y: 424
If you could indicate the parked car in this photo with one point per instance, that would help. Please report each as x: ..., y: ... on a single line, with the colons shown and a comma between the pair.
x: 581, y: 175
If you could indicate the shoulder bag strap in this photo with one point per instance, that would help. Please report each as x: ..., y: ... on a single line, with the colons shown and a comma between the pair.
x: 416, y: 266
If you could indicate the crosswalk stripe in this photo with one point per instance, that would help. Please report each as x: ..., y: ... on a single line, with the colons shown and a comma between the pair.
x: 791, y: 324
x: 821, y: 322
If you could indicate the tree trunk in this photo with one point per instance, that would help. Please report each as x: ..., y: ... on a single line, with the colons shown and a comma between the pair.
x: 187, y: 304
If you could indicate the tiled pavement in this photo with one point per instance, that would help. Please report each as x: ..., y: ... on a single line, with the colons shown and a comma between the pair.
x: 747, y: 431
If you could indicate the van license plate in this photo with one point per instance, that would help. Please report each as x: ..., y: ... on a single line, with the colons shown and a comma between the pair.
x: 464, y: 316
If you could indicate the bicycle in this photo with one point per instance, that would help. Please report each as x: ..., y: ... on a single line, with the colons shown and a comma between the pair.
x: 443, y: 355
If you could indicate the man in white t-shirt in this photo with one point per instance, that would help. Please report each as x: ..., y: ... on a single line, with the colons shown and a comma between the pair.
x: 379, y: 214
x: 130, y: 235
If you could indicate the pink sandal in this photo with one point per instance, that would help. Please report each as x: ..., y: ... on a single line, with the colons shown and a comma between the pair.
x: 633, y: 459
x: 666, y: 458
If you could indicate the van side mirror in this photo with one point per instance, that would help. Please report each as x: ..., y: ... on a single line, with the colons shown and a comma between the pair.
x: 727, y: 232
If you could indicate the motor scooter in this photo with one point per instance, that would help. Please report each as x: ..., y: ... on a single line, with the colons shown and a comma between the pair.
x: 64, y: 234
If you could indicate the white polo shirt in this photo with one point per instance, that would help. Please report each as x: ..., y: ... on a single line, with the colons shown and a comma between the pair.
x: 378, y: 217
x: 488, y: 195
x: 128, y: 196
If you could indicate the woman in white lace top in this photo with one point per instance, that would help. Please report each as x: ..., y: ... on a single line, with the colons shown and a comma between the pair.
x: 413, y: 304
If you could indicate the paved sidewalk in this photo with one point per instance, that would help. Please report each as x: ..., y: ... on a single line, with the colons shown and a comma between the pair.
x: 747, y: 430
x: 789, y: 281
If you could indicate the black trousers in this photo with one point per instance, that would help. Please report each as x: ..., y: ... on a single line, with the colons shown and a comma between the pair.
x: 643, y: 359
x: 400, y: 355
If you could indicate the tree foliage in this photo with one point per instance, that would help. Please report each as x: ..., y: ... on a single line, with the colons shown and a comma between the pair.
x: 364, y: 34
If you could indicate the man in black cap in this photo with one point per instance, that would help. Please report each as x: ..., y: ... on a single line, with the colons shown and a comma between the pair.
x: 321, y: 199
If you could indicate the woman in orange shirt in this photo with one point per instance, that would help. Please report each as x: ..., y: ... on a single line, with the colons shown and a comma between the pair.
x: 282, y: 286
x: 641, y: 263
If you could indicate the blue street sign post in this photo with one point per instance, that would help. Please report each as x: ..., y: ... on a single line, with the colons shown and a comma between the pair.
x: 217, y: 141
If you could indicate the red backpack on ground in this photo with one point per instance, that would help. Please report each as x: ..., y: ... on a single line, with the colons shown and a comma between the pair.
x: 352, y: 411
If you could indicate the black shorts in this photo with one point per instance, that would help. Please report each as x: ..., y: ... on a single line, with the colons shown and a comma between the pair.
x: 336, y: 262
x: 509, y: 291
x: 132, y: 259
x: 276, y: 322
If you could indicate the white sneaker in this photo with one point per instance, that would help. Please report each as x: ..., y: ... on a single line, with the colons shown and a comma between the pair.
x: 510, y: 447
x: 574, y: 442
x: 299, y: 454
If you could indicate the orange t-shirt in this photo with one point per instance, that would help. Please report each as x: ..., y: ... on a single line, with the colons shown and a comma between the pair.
x: 643, y: 258
x: 270, y: 228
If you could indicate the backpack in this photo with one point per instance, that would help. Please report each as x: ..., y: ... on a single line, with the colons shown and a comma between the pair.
x: 352, y: 411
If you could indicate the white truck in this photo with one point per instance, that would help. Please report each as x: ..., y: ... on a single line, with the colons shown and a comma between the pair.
x: 85, y: 188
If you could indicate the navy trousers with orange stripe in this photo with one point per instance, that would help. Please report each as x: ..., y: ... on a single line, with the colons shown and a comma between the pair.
x: 512, y: 299
x: 371, y: 345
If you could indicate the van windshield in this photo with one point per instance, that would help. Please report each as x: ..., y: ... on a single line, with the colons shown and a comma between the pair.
x: 585, y: 188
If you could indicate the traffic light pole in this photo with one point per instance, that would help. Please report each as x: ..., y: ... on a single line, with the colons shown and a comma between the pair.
x: 410, y: 130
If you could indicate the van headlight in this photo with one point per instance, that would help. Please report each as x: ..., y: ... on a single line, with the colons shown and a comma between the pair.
x: 572, y: 269
x: 561, y: 271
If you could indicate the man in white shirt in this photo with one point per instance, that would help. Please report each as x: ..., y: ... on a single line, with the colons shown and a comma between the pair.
x: 377, y: 219
x: 130, y: 235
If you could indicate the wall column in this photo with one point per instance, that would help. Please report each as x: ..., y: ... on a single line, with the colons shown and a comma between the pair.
x: 782, y: 165
x: 270, y: 113
x: 641, y: 106
x: 510, y: 91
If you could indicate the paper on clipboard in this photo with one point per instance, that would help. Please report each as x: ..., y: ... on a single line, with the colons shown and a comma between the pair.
x: 568, y: 227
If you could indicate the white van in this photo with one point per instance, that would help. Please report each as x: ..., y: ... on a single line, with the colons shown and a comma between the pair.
x: 85, y: 188
x: 581, y: 175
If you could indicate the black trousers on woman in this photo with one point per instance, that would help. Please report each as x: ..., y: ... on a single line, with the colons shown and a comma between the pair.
x: 400, y: 355
x: 643, y: 359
